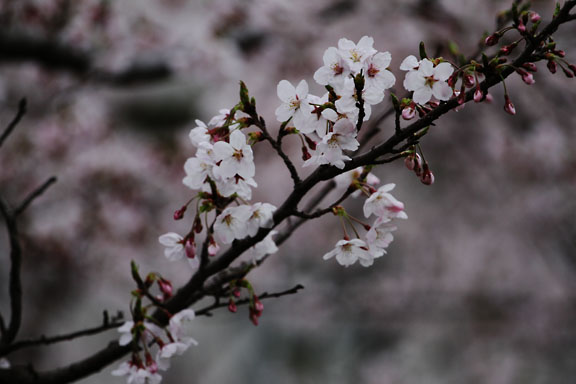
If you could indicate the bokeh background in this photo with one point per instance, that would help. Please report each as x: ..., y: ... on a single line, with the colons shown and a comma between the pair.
x: 478, y: 286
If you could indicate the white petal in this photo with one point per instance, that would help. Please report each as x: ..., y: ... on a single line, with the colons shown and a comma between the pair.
x: 409, y: 63
x: 285, y: 91
x: 426, y: 68
x: 302, y: 89
x: 442, y: 91
x: 443, y: 71
x: 413, y: 81
x: 422, y: 95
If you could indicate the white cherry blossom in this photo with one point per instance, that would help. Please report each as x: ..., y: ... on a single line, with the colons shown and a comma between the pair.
x: 329, y: 150
x: 180, y: 327
x: 236, y: 157
x: 199, y: 134
x: 335, y: 69
x: 231, y: 224
x: 200, y: 167
x: 294, y: 104
x: 260, y: 215
x: 344, y: 180
x: 263, y: 248
x: 174, y: 244
x: 380, y: 236
x: 428, y: 81
x: 383, y: 204
x: 347, y: 252
x: 376, y: 74
x: 355, y: 55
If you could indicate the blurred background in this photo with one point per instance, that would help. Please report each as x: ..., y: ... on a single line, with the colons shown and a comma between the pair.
x: 478, y: 286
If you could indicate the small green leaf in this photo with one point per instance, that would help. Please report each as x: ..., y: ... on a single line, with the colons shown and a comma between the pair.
x: 423, y: 54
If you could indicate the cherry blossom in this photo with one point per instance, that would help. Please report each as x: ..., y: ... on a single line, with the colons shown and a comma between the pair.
x: 356, y: 54
x: 428, y: 80
x: 335, y: 69
x: 260, y: 215
x: 329, y: 150
x: 376, y: 75
x: 180, y: 327
x: 347, y: 252
x: 263, y: 248
x: 347, y: 179
x: 236, y: 157
x: 231, y: 224
x: 200, y: 167
x: 174, y: 244
x: 383, y: 204
x: 380, y: 236
x: 294, y: 105
x: 137, y: 375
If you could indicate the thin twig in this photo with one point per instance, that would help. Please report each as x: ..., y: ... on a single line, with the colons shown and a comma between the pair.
x: 46, y: 340
x: 21, y: 112
x: 206, y: 311
x: 32, y: 196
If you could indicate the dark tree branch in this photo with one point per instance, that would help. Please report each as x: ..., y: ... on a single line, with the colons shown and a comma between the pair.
x: 35, y: 194
x: 21, y: 112
x: 47, y: 340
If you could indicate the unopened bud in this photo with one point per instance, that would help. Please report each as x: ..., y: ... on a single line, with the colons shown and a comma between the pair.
x: 232, y: 307
x: 492, y: 39
x: 551, y: 66
x: 410, y: 161
x: 469, y: 80
x: 572, y: 68
x: 258, y: 306
x: 197, y: 224
x: 165, y: 287
x: 190, y: 248
x: 560, y: 53
x: 508, y: 106
x: 530, y: 66
x: 305, y: 154
x: 418, y: 165
x: 521, y: 27
x: 408, y: 113
x: 179, y: 214
x: 478, y: 95
x: 311, y: 143
x: 528, y: 78
x: 151, y: 364
x: 427, y: 177
x: 213, y: 247
x: 567, y: 72
x: 534, y: 17
x: 489, y: 98
x: 236, y: 292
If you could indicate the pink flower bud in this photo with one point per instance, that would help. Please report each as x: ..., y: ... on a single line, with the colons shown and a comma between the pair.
x: 489, y: 98
x: 534, y: 17
x: 521, y: 27
x: 408, y: 113
x: 213, y: 247
x: 197, y: 224
x: 427, y: 177
x: 253, y: 318
x: 469, y: 81
x: 232, y: 307
x: 530, y: 66
x: 165, y: 287
x: 560, y: 53
x: 478, y: 95
x: 410, y: 161
x: 567, y: 73
x: 179, y: 214
x: 305, y: 154
x: 572, y: 68
x: 551, y: 66
x: 418, y: 166
x: 190, y: 248
x: 236, y: 292
x: 311, y: 143
x: 258, y: 306
x: 528, y: 78
x: 151, y: 364
x: 508, y: 106
x: 492, y: 39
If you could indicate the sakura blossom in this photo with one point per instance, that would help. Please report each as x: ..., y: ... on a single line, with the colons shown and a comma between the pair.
x: 383, y: 204
x: 260, y: 215
x: 231, y: 224
x: 263, y: 248
x: 347, y: 252
x: 350, y: 178
x: 137, y: 375
x: 334, y: 70
x: 329, y: 150
x: 380, y: 236
x: 355, y: 55
x: 428, y: 80
x: 294, y: 105
x: 236, y: 157
x: 376, y: 74
x: 174, y: 244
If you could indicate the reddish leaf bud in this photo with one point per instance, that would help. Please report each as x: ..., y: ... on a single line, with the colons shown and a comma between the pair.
x: 508, y: 106
x: 179, y: 214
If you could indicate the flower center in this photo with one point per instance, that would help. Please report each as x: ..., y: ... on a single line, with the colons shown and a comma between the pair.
x: 430, y: 80
x: 372, y: 71
x: 337, y: 69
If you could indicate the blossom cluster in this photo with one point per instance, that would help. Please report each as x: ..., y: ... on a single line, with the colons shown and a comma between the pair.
x: 178, y: 340
x: 356, y: 76
x: 384, y: 207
